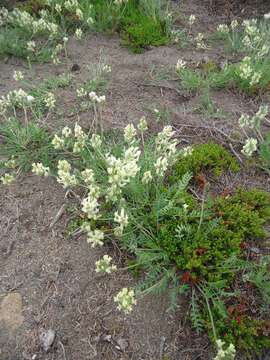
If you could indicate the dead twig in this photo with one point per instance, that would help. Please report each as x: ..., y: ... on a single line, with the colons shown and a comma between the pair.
x: 58, y: 215
x: 209, y: 129
x: 235, y: 153
x: 63, y: 349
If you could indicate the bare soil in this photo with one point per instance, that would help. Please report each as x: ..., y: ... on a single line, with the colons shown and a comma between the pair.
x: 53, y: 275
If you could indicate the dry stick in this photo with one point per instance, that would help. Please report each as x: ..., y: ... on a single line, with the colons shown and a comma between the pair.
x: 162, y: 87
x: 235, y: 153
x: 63, y: 349
x: 210, y: 129
x: 58, y: 215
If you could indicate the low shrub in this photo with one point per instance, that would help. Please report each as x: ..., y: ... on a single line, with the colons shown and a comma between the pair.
x: 210, y: 157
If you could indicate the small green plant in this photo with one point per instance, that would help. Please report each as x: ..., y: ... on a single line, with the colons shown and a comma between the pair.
x: 23, y: 145
x: 206, y: 157
x: 255, y: 140
x: 181, y: 244
x: 35, y: 100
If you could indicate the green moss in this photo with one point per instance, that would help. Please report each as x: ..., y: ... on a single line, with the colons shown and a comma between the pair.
x: 206, y: 157
x: 227, y: 223
x: 142, y: 31
x: 245, y: 332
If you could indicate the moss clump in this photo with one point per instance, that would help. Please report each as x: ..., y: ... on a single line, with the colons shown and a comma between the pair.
x: 206, y: 157
x: 227, y: 223
x: 140, y: 32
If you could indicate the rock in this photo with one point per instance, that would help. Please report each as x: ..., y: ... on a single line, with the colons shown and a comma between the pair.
x: 122, y: 344
x: 47, y: 338
x: 11, y: 311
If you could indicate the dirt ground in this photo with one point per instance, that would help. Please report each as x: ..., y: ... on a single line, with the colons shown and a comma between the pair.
x: 47, y: 279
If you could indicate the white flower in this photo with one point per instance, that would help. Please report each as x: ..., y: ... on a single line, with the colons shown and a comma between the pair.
x: 191, y: 19
x: 78, y: 33
x: 244, y: 121
x: 255, y: 79
x: 130, y: 133
x: 121, y: 217
x: 88, y: 176
x: 50, y: 100
x: 7, y: 179
x: 227, y: 354
x: 147, y: 177
x: 125, y: 299
x: 66, y: 132
x: 95, y: 98
x: 40, y: 170
x: 58, y: 8
x: 90, y: 21
x: 104, y: 265
x: 65, y: 39
x: 18, y: 76
x: 223, y: 28
x: 64, y: 176
x: 121, y: 171
x: 31, y: 46
x: 250, y: 147
x: 181, y: 64
x: 81, y: 92
x: 267, y: 16
x: 90, y: 206
x: 30, y: 98
x: 142, y: 126
x: 106, y: 68
x: 199, y: 41
x: 161, y: 165
x: 11, y: 163
x: 79, y: 14
x: 187, y: 151
x: 95, y: 238
x: 57, y: 142
x: 234, y: 24
x: 95, y: 141
x: 78, y: 132
x: 118, y: 231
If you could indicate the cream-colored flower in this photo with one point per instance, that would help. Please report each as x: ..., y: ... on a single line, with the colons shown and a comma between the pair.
x: 104, y: 265
x: 125, y: 299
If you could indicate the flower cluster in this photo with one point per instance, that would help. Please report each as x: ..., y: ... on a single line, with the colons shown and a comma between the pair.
x: 104, y: 265
x: 7, y: 179
x: 181, y: 64
x: 95, y: 98
x: 40, y: 170
x: 121, y: 218
x: 36, y: 26
x: 60, y: 142
x: 165, y: 150
x: 64, y: 174
x: 3, y: 16
x: 90, y: 206
x: 125, y: 299
x: 227, y: 354
x: 94, y: 237
x: 15, y: 98
x: 191, y: 19
x: 250, y: 147
x: 199, y: 40
x: 122, y: 170
x: 252, y: 123
x: 247, y: 71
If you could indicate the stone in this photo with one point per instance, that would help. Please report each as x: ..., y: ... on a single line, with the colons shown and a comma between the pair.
x: 11, y: 311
